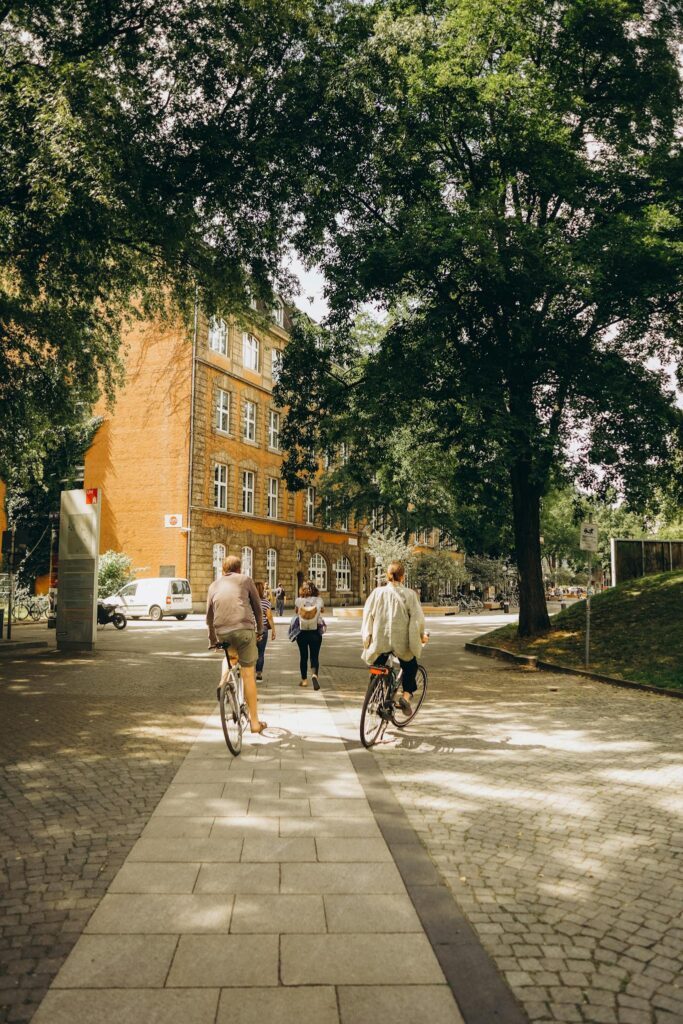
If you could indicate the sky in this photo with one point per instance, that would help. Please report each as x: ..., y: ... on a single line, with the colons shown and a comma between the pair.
x: 310, y: 299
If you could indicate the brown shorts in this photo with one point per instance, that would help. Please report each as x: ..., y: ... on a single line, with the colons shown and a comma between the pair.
x: 244, y: 642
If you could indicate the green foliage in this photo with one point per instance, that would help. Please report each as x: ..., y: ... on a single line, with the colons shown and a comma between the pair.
x: 489, y: 572
x: 114, y: 570
x: 503, y: 176
x: 145, y: 146
x: 388, y: 546
x: 430, y: 573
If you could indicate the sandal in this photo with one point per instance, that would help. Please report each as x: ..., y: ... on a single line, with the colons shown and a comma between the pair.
x: 304, y: 682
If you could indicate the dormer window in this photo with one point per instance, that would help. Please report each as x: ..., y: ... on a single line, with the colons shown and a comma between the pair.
x: 278, y: 313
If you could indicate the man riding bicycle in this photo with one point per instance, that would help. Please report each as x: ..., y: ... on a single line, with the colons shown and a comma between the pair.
x: 393, y: 622
x: 234, y: 616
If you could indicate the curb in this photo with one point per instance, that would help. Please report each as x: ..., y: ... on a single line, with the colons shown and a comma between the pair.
x: 532, y: 662
x: 9, y: 646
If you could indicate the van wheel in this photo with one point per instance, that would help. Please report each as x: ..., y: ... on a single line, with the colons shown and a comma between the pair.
x: 181, y: 617
x: 155, y: 613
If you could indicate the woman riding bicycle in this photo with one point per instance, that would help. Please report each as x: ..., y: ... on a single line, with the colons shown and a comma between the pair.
x: 393, y: 622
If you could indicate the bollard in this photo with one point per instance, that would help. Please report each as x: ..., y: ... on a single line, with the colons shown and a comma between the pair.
x: 506, y: 607
x: 563, y: 606
x: 2, y: 621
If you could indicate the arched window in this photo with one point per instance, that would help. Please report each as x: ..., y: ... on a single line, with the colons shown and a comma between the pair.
x: 342, y: 570
x: 271, y: 567
x: 317, y: 571
x: 218, y: 335
x: 218, y: 556
x: 248, y: 561
x: 278, y: 313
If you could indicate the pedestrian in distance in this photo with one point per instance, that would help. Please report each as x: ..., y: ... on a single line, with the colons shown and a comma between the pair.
x: 280, y: 600
x: 394, y: 623
x: 309, y: 606
x: 268, y: 627
x: 234, y: 616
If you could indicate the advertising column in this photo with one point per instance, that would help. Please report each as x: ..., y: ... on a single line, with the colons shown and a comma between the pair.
x: 79, y: 544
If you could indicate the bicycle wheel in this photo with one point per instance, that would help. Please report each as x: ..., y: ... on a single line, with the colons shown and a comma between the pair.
x: 373, y: 717
x: 230, y: 716
x: 19, y: 612
x: 398, y: 716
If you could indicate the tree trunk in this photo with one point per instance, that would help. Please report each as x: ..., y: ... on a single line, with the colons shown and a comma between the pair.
x: 526, y: 504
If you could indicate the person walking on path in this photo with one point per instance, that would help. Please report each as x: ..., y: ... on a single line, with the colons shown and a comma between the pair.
x: 309, y: 606
x: 234, y: 616
x: 393, y: 623
x: 268, y: 626
x: 280, y: 600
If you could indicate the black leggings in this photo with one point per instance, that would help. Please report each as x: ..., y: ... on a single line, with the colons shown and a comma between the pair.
x: 309, y: 640
x: 408, y: 679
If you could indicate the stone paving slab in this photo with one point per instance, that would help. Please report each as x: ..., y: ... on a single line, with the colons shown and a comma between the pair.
x: 310, y: 1005
x: 368, y: 959
x: 219, y: 961
x: 118, y: 961
x: 129, y: 1006
x: 396, y: 1004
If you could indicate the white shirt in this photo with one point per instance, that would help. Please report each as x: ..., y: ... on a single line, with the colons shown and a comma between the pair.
x: 394, y: 621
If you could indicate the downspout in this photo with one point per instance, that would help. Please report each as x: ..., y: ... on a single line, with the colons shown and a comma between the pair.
x: 190, y: 468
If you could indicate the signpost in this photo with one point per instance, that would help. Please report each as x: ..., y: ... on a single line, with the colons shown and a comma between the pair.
x: 79, y: 543
x: 588, y: 541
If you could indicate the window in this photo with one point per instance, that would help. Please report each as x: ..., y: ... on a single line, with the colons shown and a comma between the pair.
x: 272, y: 497
x: 310, y: 504
x: 345, y: 523
x: 248, y: 492
x: 278, y: 313
x: 248, y: 561
x: 317, y: 571
x: 271, y: 568
x: 342, y: 570
x: 380, y: 576
x: 250, y: 349
x: 218, y: 556
x: 274, y: 430
x: 222, y: 411
x: 129, y: 591
x: 220, y: 486
x: 276, y: 365
x: 218, y: 335
x: 180, y: 587
x: 249, y: 421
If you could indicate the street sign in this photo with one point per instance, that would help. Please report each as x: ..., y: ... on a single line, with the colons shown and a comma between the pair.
x: 173, y: 520
x: 588, y: 540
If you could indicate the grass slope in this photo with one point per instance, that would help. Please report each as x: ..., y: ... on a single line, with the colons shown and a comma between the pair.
x: 636, y: 633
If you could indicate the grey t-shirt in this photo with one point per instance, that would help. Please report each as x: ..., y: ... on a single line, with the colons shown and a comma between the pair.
x: 233, y: 603
x: 309, y: 602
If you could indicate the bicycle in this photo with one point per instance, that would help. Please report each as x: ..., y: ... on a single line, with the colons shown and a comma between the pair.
x: 234, y: 711
x: 380, y: 707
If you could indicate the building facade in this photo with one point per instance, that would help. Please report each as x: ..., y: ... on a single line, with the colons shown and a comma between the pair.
x: 189, y: 464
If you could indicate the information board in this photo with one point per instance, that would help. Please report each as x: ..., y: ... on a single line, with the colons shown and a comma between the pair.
x: 79, y: 543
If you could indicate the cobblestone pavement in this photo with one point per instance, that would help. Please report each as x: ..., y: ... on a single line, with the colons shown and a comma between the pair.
x: 89, y: 745
x: 554, y: 808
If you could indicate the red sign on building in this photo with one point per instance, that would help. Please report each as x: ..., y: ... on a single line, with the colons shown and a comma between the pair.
x: 91, y: 495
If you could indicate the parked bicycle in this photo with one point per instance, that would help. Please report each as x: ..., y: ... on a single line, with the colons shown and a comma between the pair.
x: 234, y: 710
x: 470, y: 604
x: 380, y: 705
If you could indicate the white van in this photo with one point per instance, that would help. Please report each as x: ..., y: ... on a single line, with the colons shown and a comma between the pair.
x: 157, y: 597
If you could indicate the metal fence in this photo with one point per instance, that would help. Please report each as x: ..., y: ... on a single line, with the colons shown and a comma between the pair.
x: 634, y: 558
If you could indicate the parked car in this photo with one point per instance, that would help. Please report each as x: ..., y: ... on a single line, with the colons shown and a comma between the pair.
x: 157, y: 597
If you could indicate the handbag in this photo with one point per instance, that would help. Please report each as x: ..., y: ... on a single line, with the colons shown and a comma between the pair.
x: 322, y: 626
x: 294, y: 628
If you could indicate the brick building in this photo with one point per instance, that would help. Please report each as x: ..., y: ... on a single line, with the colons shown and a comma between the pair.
x: 189, y: 464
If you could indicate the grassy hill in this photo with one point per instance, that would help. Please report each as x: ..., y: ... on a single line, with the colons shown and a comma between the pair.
x: 636, y: 633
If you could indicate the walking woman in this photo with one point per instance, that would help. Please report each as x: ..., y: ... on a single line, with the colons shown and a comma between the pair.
x: 268, y: 628
x: 393, y: 622
x: 309, y: 607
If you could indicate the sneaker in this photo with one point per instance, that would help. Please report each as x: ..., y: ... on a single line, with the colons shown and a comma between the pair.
x: 314, y: 680
x: 259, y: 677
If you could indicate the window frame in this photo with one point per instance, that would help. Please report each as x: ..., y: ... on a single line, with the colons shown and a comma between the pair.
x: 277, y: 313
x: 311, y: 495
x: 342, y: 569
x: 246, y: 421
x: 318, y: 571
x: 271, y: 568
x: 272, y: 496
x: 217, y: 559
x: 220, y: 411
x: 215, y: 330
x: 220, y: 486
x: 273, y: 433
x: 276, y: 358
x: 248, y: 491
x: 250, y: 345
x: 247, y: 560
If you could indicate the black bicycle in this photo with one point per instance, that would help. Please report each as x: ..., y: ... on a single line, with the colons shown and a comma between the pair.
x: 381, y: 704
x: 234, y: 711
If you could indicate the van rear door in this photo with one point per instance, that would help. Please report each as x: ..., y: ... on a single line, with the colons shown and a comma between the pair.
x: 181, y: 596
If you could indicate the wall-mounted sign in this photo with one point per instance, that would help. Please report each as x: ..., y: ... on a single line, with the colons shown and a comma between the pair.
x: 353, y: 542
x: 92, y: 495
x: 173, y: 520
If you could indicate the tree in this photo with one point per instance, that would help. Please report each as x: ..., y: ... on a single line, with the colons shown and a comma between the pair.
x: 388, y: 546
x: 431, y: 573
x: 505, y: 174
x: 114, y: 570
x: 148, y: 155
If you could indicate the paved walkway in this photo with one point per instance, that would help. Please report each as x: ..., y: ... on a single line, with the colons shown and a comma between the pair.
x: 261, y: 889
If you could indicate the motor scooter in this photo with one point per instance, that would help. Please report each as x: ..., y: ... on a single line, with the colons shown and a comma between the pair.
x: 108, y: 610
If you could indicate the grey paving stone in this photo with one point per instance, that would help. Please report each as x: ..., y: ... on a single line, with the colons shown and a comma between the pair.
x: 175, y: 828
x: 242, y: 826
x: 371, y: 913
x: 397, y: 1004
x: 128, y: 1006
x: 180, y: 851
x: 368, y: 959
x: 275, y: 808
x: 225, y: 961
x: 358, y: 827
x: 311, y: 1005
x: 155, y: 878
x: 188, y: 807
x: 343, y: 849
x: 238, y: 878
x: 160, y: 914
x: 341, y: 878
x: 278, y: 914
x: 118, y: 961
x: 276, y: 849
x: 194, y: 790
